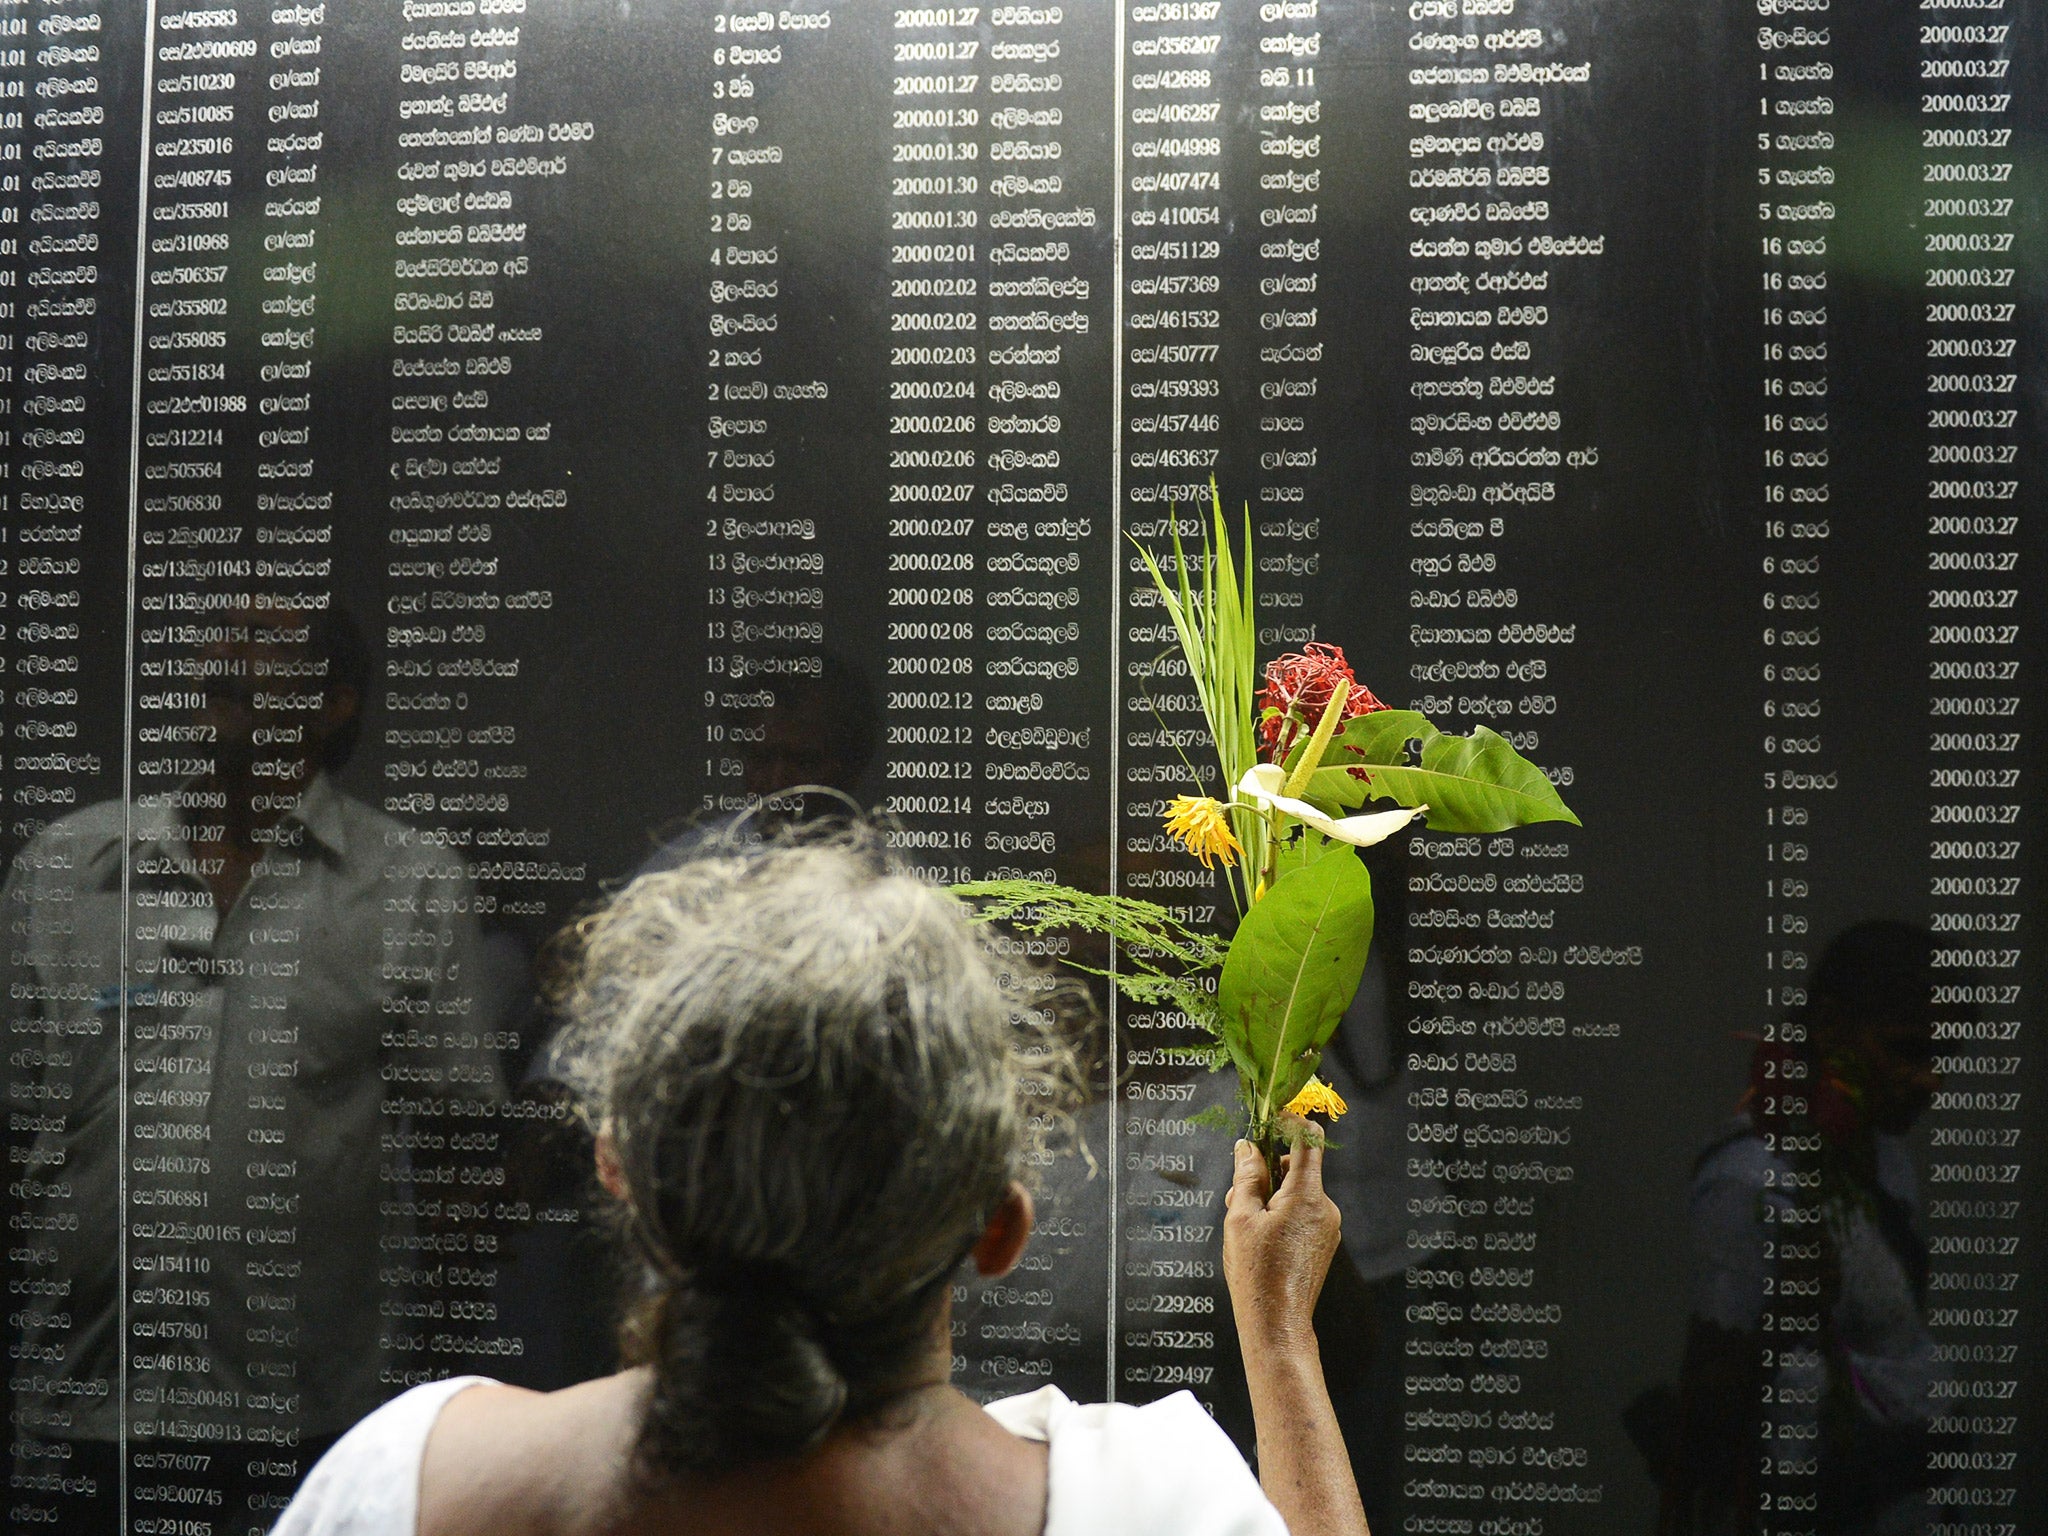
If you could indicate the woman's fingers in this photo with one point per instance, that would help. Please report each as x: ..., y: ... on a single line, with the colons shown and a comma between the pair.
x: 1249, y: 1185
x: 1304, y: 1172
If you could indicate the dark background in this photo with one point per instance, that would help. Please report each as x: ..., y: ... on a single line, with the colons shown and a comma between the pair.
x: 1655, y: 556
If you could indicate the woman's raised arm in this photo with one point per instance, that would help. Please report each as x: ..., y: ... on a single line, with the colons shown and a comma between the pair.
x: 1277, y: 1248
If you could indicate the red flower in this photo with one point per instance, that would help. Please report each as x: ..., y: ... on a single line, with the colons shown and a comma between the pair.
x: 1298, y: 689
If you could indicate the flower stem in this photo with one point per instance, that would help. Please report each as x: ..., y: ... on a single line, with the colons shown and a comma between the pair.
x: 1269, y: 865
x: 1272, y: 1148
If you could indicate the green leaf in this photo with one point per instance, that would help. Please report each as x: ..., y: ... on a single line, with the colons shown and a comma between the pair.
x: 1304, y: 846
x: 1333, y: 791
x: 1215, y: 621
x: 1476, y: 783
x: 1292, y: 970
x: 1380, y: 737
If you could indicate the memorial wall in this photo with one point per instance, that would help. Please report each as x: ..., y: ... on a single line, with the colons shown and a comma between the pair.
x: 461, y: 452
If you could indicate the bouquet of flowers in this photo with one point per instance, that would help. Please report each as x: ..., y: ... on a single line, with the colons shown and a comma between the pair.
x: 1302, y: 751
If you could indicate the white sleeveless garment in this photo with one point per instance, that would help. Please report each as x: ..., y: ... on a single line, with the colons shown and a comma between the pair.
x: 1114, y: 1470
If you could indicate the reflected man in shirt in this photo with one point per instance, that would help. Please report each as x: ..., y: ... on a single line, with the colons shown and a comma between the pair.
x: 248, y: 995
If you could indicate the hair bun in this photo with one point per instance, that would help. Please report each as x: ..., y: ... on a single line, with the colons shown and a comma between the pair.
x: 740, y: 1372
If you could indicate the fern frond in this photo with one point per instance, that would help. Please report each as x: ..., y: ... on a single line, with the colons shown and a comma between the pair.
x: 1161, y: 957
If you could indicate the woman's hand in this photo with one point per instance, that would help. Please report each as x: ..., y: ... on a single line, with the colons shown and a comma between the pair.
x: 1277, y: 1248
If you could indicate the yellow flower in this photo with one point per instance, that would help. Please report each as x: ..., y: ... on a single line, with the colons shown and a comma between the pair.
x: 1202, y: 826
x: 1318, y: 1097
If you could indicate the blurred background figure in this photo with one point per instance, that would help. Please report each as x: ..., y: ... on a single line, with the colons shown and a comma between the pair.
x: 1809, y: 1294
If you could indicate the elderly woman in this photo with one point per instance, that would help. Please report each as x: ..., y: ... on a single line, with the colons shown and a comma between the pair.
x: 814, y: 1101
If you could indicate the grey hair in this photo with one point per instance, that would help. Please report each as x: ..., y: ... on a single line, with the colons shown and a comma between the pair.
x: 819, y: 1080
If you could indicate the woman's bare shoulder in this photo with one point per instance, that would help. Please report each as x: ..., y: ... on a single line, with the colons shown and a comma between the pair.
x: 515, y: 1462
x: 503, y: 1461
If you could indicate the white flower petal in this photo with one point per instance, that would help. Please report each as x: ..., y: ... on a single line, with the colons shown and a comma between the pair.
x: 1364, y: 831
x: 1263, y: 779
x: 1263, y: 783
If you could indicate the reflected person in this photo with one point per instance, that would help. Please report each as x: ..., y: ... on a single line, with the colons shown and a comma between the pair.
x: 1809, y: 1366
x: 296, y: 965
